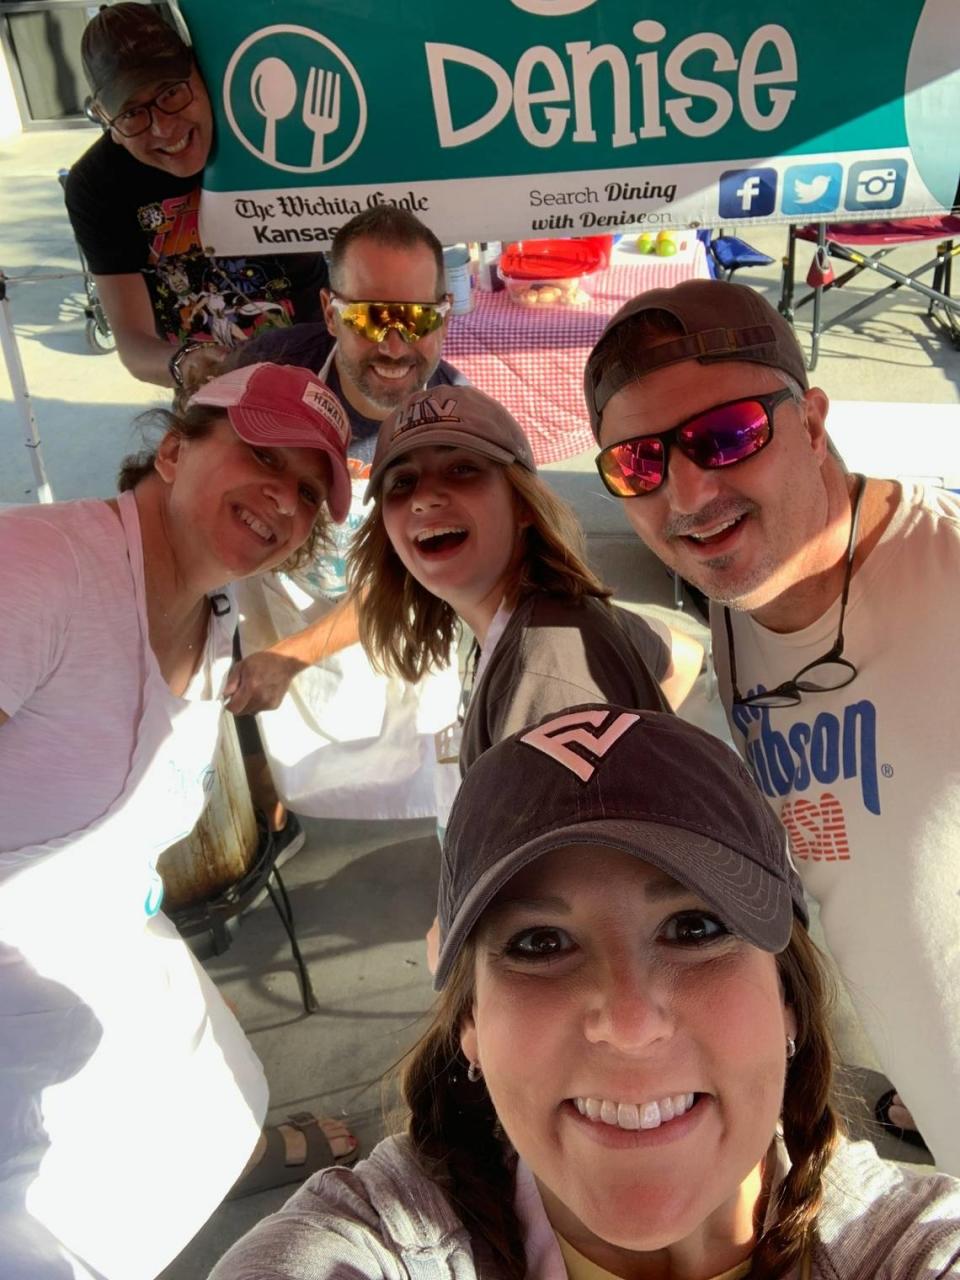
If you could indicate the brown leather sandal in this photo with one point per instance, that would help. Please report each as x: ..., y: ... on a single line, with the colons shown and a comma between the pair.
x: 294, y: 1150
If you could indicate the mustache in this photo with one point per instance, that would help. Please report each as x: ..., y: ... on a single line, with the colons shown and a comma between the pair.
x: 715, y: 512
x: 409, y: 363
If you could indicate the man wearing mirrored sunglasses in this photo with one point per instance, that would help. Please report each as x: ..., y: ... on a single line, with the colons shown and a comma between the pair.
x: 133, y: 200
x: 385, y: 316
x: 384, y: 319
x: 833, y: 611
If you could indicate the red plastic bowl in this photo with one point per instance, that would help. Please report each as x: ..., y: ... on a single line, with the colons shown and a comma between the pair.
x: 551, y: 259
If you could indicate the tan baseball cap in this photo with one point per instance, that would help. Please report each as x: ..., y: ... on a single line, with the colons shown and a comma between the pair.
x: 720, y: 321
x: 459, y: 416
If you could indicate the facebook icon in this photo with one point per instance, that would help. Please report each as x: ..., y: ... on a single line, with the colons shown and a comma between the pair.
x: 747, y: 193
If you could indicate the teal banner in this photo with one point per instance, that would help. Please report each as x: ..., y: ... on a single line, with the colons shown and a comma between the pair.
x: 520, y: 118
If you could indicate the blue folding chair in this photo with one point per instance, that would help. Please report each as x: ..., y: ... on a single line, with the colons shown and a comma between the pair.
x: 727, y: 254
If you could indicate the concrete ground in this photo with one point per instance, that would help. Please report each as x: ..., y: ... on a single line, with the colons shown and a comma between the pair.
x: 363, y: 892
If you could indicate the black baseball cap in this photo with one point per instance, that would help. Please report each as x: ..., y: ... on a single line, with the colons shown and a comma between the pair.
x: 128, y: 47
x: 720, y: 321
x: 644, y: 782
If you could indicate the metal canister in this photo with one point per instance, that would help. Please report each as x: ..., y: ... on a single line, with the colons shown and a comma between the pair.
x: 456, y: 266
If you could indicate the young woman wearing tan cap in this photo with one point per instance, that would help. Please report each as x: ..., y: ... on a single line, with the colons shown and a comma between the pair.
x: 464, y: 531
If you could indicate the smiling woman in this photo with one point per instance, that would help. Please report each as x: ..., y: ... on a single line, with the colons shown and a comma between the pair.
x: 464, y: 531
x: 243, y: 428
x: 116, y: 630
x: 628, y: 1071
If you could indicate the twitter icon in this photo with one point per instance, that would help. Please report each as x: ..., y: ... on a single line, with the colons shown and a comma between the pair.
x: 811, y: 188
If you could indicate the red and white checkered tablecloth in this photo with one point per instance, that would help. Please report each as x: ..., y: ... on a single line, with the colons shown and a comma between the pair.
x: 532, y: 360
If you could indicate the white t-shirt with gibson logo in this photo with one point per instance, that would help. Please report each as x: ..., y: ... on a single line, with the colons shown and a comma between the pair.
x: 866, y: 780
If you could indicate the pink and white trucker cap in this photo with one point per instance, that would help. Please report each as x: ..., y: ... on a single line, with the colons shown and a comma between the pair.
x: 285, y: 405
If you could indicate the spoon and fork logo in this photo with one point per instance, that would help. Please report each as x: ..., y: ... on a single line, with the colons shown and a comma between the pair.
x: 272, y: 87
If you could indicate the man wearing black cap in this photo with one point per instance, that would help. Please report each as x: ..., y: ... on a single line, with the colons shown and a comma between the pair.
x: 133, y: 199
x: 831, y: 615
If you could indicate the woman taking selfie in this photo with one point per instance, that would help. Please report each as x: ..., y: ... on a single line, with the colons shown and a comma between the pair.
x: 628, y: 1069
x: 116, y: 634
x: 463, y: 530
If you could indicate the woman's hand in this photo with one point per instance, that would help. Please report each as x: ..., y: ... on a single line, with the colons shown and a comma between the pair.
x: 202, y: 364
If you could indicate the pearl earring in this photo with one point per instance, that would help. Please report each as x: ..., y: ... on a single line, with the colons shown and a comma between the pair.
x: 791, y: 1047
x: 474, y: 1073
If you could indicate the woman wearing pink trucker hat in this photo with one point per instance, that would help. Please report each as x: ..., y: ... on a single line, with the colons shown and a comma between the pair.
x: 116, y: 630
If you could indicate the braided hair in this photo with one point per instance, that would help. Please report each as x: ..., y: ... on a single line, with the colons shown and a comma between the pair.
x: 456, y: 1134
x: 811, y: 1128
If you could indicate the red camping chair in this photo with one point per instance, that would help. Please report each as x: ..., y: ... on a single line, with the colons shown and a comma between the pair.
x: 849, y: 242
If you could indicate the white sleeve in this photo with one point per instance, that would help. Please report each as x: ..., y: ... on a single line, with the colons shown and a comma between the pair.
x: 39, y: 585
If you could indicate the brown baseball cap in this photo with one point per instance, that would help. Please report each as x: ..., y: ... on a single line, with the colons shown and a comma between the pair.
x: 128, y: 47
x: 460, y: 416
x: 644, y: 782
x: 720, y: 321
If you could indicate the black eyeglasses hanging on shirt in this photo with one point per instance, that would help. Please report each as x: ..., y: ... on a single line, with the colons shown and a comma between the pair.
x: 833, y: 670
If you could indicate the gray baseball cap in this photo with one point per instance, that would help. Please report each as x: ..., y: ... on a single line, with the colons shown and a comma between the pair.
x: 644, y: 782
x: 720, y: 321
x: 460, y: 416
x: 126, y: 48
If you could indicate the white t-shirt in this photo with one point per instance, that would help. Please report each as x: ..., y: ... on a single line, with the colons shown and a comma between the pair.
x: 72, y: 668
x: 866, y: 780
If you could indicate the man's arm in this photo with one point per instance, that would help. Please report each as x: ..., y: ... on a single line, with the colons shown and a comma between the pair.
x: 126, y: 300
x: 260, y: 682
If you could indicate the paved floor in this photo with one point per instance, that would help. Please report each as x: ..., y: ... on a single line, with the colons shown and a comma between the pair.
x: 363, y: 892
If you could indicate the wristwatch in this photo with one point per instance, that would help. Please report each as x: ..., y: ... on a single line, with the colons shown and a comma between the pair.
x: 178, y: 357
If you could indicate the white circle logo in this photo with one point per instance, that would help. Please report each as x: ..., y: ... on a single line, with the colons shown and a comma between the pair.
x: 552, y: 8
x: 294, y: 99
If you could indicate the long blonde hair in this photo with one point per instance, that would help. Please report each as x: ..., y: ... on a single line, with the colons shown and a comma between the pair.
x: 407, y: 630
x: 459, y: 1144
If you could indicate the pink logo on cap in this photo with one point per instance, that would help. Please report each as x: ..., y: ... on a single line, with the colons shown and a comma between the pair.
x: 427, y: 412
x: 317, y: 396
x: 555, y: 737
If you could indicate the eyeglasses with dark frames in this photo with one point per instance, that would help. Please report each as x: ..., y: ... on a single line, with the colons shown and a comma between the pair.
x: 834, y: 671
x: 170, y: 101
x: 720, y: 436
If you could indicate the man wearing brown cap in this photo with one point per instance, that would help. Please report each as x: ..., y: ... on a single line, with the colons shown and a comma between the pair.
x: 832, y: 614
x: 133, y: 199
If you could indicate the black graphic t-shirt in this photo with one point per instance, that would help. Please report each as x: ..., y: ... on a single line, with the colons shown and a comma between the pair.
x: 131, y: 217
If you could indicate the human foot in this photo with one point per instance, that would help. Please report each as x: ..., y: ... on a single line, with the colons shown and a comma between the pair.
x: 291, y: 1151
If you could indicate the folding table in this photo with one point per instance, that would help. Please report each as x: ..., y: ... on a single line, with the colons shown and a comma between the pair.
x: 532, y: 359
x: 852, y: 242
